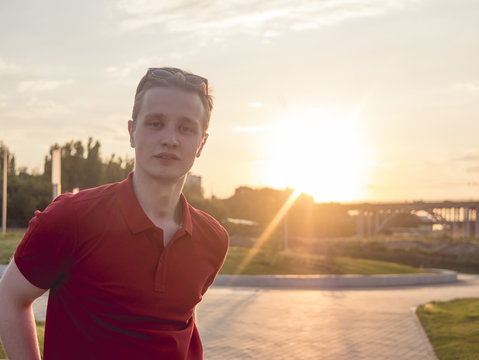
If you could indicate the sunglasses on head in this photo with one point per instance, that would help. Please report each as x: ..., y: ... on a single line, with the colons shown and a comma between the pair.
x: 164, y: 73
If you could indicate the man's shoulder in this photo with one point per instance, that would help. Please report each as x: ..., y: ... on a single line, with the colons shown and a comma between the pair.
x: 98, y: 193
x: 205, y: 223
x: 67, y: 205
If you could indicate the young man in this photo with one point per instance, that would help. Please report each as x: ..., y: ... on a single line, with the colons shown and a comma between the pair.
x: 125, y: 263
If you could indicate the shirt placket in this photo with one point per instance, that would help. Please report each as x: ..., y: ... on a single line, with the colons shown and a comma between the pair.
x: 161, y: 275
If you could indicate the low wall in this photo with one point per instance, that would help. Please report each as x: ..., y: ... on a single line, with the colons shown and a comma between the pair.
x: 437, y: 276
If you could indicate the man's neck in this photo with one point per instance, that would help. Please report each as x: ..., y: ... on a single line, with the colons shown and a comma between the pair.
x: 159, y: 200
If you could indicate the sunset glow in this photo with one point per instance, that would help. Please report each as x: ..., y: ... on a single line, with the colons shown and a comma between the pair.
x: 319, y: 152
x: 358, y: 100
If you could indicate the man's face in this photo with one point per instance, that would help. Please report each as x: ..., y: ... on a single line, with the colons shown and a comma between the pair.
x: 168, y: 133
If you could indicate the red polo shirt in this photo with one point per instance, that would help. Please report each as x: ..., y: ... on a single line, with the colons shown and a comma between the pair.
x: 115, y: 291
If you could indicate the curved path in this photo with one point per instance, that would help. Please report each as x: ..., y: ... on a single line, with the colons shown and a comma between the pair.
x: 380, y: 323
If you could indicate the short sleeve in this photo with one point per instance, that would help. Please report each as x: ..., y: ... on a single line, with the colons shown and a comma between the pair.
x: 46, y: 250
x: 221, y: 260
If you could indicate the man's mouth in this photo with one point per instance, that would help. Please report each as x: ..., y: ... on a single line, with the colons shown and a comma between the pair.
x: 167, y: 156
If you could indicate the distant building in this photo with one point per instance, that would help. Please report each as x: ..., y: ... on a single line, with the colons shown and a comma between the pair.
x: 193, y: 186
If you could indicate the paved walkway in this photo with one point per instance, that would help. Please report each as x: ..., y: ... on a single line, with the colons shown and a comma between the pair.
x: 255, y: 323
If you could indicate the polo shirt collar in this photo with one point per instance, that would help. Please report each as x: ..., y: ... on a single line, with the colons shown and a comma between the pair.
x: 187, y: 224
x: 134, y: 215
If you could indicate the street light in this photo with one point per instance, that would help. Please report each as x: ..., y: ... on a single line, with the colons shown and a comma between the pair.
x: 56, y: 172
x: 4, y: 197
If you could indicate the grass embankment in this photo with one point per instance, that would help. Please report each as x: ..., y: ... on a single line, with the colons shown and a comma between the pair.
x: 264, y: 263
x: 452, y: 328
x: 40, y: 335
x: 303, y: 263
x: 460, y: 254
x: 8, y: 244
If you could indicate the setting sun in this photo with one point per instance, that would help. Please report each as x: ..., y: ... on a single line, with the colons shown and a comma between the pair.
x: 319, y: 152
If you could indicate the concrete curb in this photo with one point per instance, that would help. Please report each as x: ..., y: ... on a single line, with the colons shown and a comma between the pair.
x: 438, y: 276
x: 425, y: 339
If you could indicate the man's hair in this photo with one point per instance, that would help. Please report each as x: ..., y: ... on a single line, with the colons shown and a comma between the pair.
x: 177, y: 80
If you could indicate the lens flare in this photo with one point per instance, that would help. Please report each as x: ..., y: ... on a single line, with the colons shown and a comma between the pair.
x: 267, y: 232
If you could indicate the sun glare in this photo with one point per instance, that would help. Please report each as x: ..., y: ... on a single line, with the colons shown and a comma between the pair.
x: 319, y: 152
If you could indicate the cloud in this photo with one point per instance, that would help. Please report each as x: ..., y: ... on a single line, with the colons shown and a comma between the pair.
x: 470, y: 87
x: 3, y: 103
x: 468, y: 162
x: 37, y: 108
x: 112, y: 125
x: 40, y: 85
x: 270, y: 17
x: 469, y: 157
x: 473, y: 169
x: 271, y: 34
x: 8, y: 68
x: 48, y: 106
x: 125, y: 70
x: 258, y: 128
x: 375, y: 164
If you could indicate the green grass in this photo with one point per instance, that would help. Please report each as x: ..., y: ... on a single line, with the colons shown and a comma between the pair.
x: 264, y: 263
x: 40, y: 335
x: 8, y: 244
x: 452, y: 328
x: 346, y: 265
x: 303, y: 263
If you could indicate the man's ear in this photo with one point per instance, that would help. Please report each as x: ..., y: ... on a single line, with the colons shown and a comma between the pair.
x: 203, y: 142
x: 131, y: 130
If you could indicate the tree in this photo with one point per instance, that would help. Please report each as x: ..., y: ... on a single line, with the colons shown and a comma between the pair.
x: 29, y: 192
x: 93, y: 165
x: 83, y: 172
x: 305, y: 217
x: 117, y: 169
x: 26, y: 194
x: 259, y: 205
x: 213, y: 206
x: 10, y: 159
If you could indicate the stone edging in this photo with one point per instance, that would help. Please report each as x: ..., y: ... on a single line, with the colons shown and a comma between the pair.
x: 425, y: 339
x: 438, y: 276
x: 2, y: 269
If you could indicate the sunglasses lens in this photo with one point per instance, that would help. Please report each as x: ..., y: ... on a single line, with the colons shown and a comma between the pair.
x: 197, y: 80
x: 161, y: 73
x: 191, y: 78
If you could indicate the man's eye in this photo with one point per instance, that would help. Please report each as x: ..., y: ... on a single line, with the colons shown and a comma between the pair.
x: 184, y: 128
x: 155, y: 124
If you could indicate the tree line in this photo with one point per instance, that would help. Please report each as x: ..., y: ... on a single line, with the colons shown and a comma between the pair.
x: 83, y: 167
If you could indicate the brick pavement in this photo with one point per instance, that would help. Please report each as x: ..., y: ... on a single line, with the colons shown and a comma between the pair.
x: 253, y: 323
x: 247, y: 323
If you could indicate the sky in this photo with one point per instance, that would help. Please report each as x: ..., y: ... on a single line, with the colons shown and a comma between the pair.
x: 348, y: 100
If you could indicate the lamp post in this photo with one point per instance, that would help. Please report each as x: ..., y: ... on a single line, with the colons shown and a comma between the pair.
x: 286, y: 233
x: 56, y: 172
x: 4, y: 197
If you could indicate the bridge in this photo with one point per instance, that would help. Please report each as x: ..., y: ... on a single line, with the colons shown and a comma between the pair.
x: 460, y: 218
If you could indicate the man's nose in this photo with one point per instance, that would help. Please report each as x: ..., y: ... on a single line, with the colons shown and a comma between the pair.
x: 170, y: 137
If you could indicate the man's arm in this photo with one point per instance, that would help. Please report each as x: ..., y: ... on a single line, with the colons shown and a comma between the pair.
x: 17, y: 323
